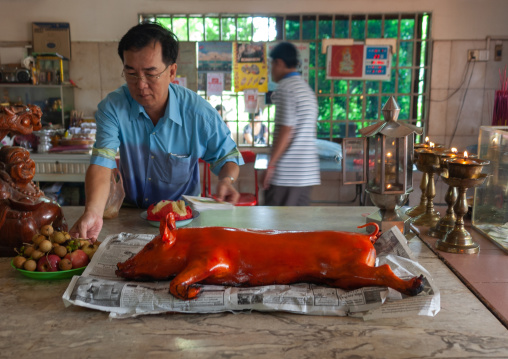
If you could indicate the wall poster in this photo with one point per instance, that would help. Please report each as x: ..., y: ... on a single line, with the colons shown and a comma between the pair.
x: 214, y: 84
x: 215, y: 56
x: 250, y: 66
x: 344, y: 61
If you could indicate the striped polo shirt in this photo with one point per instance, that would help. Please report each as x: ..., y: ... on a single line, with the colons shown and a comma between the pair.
x: 296, y: 107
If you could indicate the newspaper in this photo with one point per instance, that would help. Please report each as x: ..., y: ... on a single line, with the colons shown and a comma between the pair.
x: 99, y: 288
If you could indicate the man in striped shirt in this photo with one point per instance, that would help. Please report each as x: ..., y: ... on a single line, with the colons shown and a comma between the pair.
x: 294, y: 163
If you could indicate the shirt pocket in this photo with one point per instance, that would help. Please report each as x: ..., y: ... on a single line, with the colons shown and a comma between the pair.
x: 176, y: 169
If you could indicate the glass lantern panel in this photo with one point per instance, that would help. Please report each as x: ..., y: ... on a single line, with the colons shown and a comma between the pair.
x: 375, y: 164
x: 353, y: 158
x: 395, y: 165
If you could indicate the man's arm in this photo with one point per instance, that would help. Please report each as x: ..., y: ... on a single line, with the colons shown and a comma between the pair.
x: 227, y: 175
x: 97, y: 184
x: 280, y: 145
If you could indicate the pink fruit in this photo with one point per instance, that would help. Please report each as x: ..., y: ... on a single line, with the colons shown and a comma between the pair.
x: 48, y: 263
x: 78, y: 258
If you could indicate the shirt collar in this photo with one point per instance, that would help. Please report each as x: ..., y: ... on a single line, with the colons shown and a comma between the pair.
x: 171, y: 112
x: 291, y: 74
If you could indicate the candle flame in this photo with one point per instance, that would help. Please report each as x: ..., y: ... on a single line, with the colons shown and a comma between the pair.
x: 432, y: 144
x: 427, y: 139
x: 465, y: 154
x: 389, y: 154
x: 454, y: 150
x: 388, y: 186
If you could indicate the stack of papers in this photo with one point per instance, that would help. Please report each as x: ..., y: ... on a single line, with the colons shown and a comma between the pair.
x: 201, y: 204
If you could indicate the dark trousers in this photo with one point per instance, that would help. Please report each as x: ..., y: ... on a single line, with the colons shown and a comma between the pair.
x: 287, y: 196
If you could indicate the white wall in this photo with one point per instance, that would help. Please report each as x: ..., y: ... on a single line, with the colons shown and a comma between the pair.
x: 108, y: 20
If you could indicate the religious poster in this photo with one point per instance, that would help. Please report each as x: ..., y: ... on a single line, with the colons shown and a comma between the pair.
x: 214, y: 84
x: 187, y: 58
x: 303, y: 64
x: 250, y: 66
x: 215, y: 56
x: 344, y: 61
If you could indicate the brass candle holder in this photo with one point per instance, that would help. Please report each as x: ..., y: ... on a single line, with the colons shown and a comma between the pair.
x: 462, y: 173
x: 422, y: 206
x: 446, y: 223
x: 428, y: 162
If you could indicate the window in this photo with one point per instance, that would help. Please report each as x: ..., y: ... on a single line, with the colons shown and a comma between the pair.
x: 345, y: 106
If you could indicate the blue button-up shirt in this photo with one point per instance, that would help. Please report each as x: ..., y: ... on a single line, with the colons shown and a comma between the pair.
x: 161, y: 162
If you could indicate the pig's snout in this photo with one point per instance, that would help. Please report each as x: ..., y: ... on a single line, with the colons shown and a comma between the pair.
x: 124, y: 270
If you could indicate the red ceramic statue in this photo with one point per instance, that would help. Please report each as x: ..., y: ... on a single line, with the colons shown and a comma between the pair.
x: 23, y: 206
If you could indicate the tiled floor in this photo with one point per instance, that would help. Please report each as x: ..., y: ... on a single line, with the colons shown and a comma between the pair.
x: 485, y: 273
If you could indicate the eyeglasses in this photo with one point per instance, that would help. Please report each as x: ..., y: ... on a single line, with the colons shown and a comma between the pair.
x: 133, y: 78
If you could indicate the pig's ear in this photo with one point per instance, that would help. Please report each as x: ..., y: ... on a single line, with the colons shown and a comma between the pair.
x: 166, y: 227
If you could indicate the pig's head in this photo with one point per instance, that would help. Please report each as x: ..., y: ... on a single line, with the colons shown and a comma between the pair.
x: 160, y: 259
x: 20, y: 119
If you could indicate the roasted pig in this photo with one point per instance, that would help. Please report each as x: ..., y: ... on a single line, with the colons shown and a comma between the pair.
x: 247, y: 257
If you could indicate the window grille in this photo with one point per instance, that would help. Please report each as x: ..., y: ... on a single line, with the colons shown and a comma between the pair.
x: 345, y: 106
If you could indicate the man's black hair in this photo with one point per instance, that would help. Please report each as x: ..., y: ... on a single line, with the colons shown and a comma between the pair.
x: 148, y: 33
x: 287, y: 52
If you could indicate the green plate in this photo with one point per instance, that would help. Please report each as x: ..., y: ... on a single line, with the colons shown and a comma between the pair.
x: 63, y: 274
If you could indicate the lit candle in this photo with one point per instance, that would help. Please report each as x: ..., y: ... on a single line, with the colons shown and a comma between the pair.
x: 446, y: 154
x: 422, y: 144
x: 389, y: 168
x: 464, y: 167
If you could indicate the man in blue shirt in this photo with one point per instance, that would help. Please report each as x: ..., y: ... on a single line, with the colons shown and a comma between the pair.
x: 161, y: 131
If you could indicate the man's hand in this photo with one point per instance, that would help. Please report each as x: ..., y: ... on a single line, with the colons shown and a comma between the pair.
x: 97, y: 182
x: 268, y: 176
x: 226, y: 192
x: 88, y: 226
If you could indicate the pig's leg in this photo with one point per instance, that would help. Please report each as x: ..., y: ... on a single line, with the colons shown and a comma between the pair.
x: 195, y: 272
x: 365, y: 275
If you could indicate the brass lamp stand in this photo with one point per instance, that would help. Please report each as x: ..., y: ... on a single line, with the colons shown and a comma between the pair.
x: 428, y: 162
x: 463, y: 174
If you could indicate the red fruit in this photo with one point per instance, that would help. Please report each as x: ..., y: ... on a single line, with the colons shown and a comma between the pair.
x: 78, y: 258
x: 48, y: 263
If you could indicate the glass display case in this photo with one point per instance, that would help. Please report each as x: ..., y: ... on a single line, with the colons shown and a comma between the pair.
x: 55, y: 101
x: 490, y: 208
